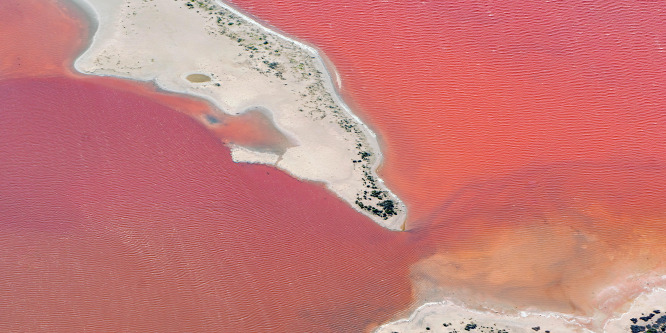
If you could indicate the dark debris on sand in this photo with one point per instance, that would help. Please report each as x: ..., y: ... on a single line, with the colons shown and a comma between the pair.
x: 652, y: 322
x: 470, y: 326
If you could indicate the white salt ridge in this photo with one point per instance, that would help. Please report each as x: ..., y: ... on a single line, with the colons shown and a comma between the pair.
x: 449, y: 316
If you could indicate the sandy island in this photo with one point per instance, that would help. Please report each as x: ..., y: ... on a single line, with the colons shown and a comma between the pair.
x: 207, y: 49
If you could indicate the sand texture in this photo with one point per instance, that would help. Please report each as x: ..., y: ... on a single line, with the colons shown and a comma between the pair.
x: 450, y: 317
x: 645, y: 313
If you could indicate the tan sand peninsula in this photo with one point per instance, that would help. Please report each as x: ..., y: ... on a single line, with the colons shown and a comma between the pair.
x: 207, y: 49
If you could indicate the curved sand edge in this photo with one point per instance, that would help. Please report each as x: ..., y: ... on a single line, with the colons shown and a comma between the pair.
x: 446, y: 316
x: 644, y: 311
x: 647, y: 309
x: 248, y: 66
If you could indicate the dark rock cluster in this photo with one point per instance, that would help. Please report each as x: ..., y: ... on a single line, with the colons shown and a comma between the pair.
x: 471, y: 326
x: 652, y: 322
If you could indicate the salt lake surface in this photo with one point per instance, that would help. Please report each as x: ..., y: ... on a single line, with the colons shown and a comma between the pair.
x: 527, y: 141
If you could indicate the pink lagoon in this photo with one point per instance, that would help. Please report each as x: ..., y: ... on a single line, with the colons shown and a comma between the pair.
x: 527, y: 142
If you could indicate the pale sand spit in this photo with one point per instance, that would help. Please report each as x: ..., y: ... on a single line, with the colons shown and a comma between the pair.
x: 207, y: 49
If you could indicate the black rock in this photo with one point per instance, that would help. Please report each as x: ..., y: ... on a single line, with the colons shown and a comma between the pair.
x: 661, y: 320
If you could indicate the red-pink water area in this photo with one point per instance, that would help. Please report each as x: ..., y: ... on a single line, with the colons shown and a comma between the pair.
x: 121, y: 214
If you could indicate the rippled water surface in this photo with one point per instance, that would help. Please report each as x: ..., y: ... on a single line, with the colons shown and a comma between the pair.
x: 528, y: 142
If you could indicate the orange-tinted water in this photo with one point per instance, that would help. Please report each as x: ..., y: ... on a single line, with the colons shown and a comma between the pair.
x: 538, y: 238
x: 36, y: 40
